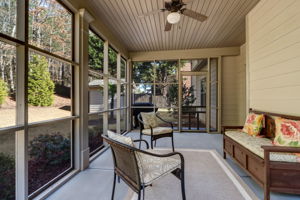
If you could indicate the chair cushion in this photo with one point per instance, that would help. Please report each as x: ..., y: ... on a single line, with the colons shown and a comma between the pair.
x: 120, y: 138
x: 254, y: 144
x: 153, y: 167
x: 150, y: 167
x: 287, y: 132
x: 253, y: 124
x: 125, y: 140
x: 157, y: 131
x: 149, y: 119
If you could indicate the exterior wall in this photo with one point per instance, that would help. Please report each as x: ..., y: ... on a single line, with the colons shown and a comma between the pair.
x: 273, y: 50
x: 234, y: 89
x: 96, y: 100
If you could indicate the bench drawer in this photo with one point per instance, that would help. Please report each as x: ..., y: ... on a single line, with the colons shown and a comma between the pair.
x: 228, y: 146
x: 256, y: 168
x: 240, y: 156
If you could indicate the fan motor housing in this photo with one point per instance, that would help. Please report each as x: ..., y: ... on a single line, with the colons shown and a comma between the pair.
x: 173, y: 6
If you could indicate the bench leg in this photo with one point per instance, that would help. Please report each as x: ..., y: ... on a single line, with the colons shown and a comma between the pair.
x: 224, y: 154
x: 266, y: 193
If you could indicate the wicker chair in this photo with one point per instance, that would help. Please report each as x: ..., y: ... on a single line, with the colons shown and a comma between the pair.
x: 129, y: 165
x: 156, y: 132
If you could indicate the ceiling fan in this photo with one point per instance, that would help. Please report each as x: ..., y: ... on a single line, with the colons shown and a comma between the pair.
x: 176, y: 8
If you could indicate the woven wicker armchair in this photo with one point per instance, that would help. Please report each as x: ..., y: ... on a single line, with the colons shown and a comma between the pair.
x: 155, y: 132
x: 139, y: 169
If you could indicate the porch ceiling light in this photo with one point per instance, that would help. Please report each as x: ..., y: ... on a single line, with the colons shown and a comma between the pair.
x: 173, y: 17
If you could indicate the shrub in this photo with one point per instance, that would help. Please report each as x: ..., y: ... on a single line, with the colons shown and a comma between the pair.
x: 7, y: 177
x: 95, y: 138
x: 49, y: 156
x: 50, y: 149
x: 3, y: 91
x: 40, y: 86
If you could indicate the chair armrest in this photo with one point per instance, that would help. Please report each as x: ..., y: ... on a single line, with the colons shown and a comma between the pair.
x: 131, y: 148
x: 140, y: 140
x: 281, y: 149
x: 164, y: 120
x: 224, y: 128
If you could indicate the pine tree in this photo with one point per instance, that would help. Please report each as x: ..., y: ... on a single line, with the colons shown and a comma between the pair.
x: 40, y: 86
x: 3, y: 91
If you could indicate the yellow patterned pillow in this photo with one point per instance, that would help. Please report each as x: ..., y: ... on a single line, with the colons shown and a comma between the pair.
x: 253, y: 124
x: 287, y: 132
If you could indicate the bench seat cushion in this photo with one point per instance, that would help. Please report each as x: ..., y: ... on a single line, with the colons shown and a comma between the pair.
x: 254, y: 144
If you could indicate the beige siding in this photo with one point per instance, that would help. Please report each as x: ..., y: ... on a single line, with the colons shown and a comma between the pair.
x: 234, y: 89
x: 273, y: 39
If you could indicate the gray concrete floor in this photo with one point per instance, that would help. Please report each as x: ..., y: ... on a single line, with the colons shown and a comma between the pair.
x: 95, y: 183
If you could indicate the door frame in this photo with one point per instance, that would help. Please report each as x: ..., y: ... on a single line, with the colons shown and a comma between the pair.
x: 202, y: 73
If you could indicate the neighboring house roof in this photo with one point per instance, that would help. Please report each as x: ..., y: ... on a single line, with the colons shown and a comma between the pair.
x: 100, y: 83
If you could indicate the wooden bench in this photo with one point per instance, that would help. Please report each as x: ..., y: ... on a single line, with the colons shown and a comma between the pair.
x: 271, y: 175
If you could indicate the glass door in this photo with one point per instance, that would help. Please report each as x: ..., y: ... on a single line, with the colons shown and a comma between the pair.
x: 193, y: 102
x: 214, y: 94
x: 200, y: 95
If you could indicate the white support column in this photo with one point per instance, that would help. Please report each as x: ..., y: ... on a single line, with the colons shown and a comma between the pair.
x: 179, y: 95
x: 118, y: 93
x: 77, y: 95
x: 22, y: 135
x: 128, y: 92
x: 247, y: 67
x: 219, y: 94
x: 208, y: 109
x: 84, y: 20
x: 105, y: 88
x: 21, y: 139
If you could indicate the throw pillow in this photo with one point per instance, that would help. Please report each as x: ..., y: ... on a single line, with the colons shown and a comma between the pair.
x: 253, y: 124
x: 149, y: 119
x: 120, y: 138
x: 287, y: 132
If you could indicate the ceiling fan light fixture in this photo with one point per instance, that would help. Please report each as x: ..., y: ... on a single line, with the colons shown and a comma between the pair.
x: 173, y: 17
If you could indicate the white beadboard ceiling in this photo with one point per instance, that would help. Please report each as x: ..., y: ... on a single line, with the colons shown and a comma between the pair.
x: 224, y: 27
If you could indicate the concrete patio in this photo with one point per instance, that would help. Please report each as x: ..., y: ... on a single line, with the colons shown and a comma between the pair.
x: 96, y: 181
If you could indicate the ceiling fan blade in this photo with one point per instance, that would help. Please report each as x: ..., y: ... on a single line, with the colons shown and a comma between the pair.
x: 193, y: 15
x: 168, y: 26
x: 151, y: 13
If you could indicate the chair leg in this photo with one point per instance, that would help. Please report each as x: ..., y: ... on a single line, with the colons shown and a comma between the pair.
x: 173, y: 143
x: 143, y: 192
x: 151, y: 142
x: 114, y: 186
x: 140, y: 141
x: 139, y: 195
x: 182, y: 184
x: 155, y: 143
